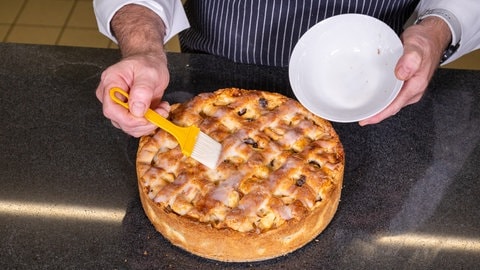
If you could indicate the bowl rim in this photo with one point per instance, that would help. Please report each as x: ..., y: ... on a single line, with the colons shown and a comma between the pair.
x: 296, y: 55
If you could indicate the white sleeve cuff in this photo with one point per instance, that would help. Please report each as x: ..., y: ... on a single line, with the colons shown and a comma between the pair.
x: 453, y: 24
x: 171, y: 12
x: 466, y: 13
x: 449, y: 18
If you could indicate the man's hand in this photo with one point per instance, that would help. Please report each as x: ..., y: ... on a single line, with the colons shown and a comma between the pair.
x: 145, y: 78
x: 142, y: 71
x: 423, y: 45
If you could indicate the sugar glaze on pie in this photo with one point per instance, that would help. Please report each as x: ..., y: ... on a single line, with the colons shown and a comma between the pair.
x: 276, y: 187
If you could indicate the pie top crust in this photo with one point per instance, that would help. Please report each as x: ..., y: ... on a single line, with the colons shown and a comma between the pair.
x: 276, y: 187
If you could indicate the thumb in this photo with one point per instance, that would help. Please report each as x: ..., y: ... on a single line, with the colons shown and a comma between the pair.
x: 408, y: 64
x: 140, y: 99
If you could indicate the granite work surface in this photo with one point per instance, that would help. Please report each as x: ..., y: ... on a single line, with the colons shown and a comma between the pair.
x: 69, y: 200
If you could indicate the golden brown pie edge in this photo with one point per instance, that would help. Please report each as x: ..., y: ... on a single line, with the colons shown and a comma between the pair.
x: 232, y: 246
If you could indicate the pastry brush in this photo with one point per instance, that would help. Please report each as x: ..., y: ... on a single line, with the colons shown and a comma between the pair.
x: 193, y: 142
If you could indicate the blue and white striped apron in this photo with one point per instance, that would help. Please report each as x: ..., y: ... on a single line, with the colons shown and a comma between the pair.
x: 265, y: 32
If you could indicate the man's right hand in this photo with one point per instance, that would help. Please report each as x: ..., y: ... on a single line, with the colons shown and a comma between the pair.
x: 145, y: 78
x: 142, y: 72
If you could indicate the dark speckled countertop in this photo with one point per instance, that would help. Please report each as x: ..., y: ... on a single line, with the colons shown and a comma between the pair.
x: 68, y: 195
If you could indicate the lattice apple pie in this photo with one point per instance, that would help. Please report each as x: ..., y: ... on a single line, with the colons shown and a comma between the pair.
x: 276, y: 187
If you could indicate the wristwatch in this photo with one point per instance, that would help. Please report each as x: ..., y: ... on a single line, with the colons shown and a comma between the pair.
x: 452, y: 22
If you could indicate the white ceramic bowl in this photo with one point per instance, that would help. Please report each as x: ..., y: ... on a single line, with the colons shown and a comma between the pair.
x: 342, y: 69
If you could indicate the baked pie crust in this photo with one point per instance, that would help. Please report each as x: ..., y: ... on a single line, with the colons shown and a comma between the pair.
x: 276, y: 187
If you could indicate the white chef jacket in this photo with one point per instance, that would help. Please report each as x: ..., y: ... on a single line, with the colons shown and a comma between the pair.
x: 171, y: 12
x: 173, y: 15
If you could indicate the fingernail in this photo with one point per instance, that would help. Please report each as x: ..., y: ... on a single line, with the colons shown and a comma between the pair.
x: 403, y: 74
x: 138, y: 109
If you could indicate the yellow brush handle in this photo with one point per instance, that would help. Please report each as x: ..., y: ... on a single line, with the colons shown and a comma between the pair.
x: 186, y: 136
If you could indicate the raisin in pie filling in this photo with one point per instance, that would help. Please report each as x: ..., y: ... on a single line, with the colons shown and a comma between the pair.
x: 280, y: 166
